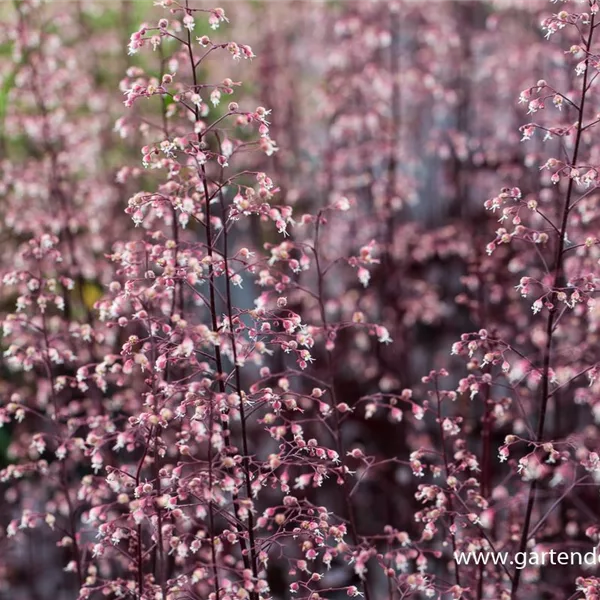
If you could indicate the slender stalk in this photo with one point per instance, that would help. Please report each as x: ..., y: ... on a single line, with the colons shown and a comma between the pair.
x: 238, y: 387
x: 211, y: 507
x: 346, y: 490
x: 63, y: 468
x: 558, y: 281
x: 215, y: 328
x: 248, y: 555
x: 161, y: 566
x: 140, y: 557
x: 447, y: 472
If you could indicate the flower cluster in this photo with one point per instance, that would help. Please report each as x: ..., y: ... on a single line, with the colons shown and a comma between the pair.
x: 220, y: 297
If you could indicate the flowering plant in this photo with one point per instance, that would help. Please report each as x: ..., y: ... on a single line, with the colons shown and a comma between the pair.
x: 213, y: 349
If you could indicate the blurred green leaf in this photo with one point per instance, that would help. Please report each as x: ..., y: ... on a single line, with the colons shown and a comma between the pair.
x: 91, y: 292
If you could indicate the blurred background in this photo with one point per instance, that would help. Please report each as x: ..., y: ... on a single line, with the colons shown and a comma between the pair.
x: 407, y: 108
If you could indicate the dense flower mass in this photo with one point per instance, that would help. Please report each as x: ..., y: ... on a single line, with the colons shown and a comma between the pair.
x: 299, y: 300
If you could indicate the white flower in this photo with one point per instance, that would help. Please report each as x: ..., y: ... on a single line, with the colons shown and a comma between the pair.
x: 383, y: 335
x: 364, y: 276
